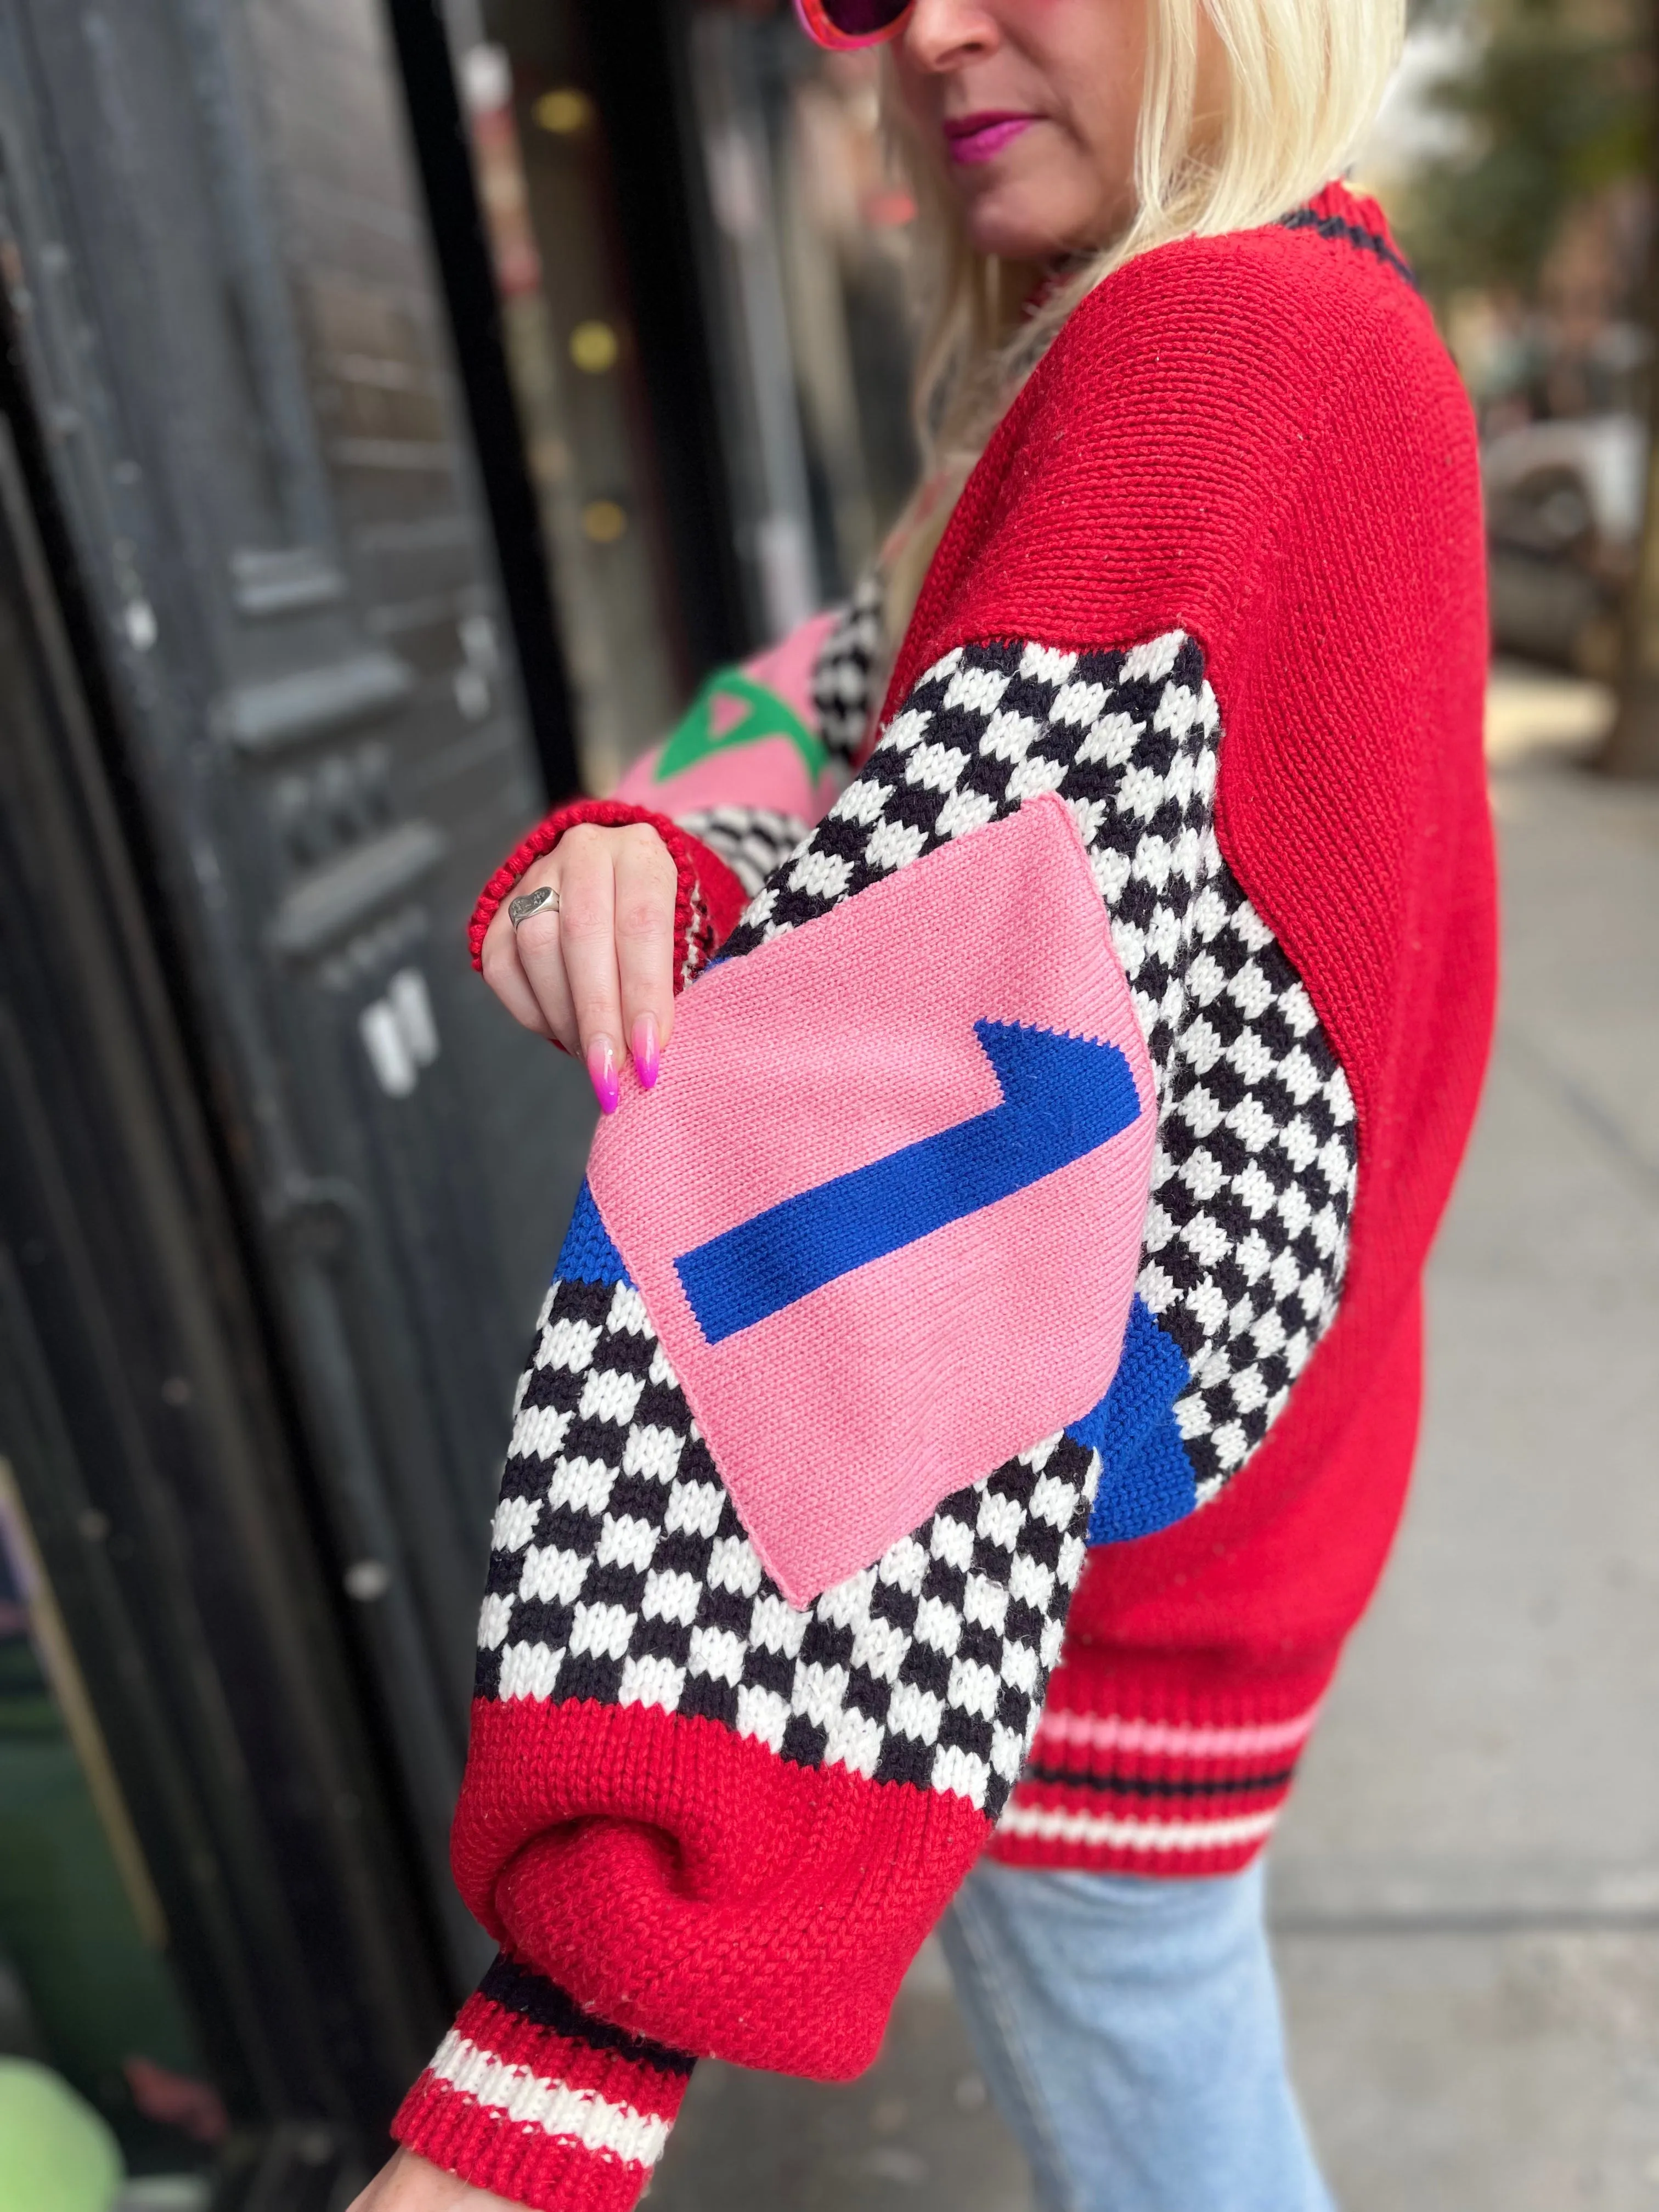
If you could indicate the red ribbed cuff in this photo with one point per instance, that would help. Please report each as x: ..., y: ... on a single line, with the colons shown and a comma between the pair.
x: 533, y: 2098
x: 707, y: 904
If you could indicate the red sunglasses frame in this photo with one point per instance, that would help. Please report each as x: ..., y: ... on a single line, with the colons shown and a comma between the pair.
x: 816, y: 23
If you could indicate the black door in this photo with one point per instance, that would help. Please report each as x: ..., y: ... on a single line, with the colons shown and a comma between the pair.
x: 210, y: 1921
x: 235, y: 438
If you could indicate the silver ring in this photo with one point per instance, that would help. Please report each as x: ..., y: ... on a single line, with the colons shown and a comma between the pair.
x: 528, y: 902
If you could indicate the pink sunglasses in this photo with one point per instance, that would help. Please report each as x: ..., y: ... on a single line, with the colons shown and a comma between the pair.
x: 844, y: 24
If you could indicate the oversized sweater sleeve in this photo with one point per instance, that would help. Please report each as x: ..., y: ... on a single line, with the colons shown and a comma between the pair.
x: 768, y: 1631
x: 737, y: 784
x: 889, y: 1301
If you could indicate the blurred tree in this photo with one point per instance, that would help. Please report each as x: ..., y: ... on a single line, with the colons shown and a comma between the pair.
x: 1554, y: 106
x: 1559, y: 103
x: 1633, y: 749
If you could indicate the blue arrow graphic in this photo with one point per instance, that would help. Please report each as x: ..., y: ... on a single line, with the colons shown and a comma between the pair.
x: 1063, y: 1097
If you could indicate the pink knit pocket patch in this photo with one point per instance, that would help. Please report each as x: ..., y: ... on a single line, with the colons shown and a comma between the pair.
x: 885, y: 1203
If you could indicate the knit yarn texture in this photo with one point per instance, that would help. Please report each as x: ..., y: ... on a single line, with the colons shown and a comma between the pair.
x: 1213, y: 600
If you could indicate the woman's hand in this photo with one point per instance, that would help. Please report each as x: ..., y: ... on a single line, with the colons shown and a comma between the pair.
x: 593, y: 968
x: 408, y: 2183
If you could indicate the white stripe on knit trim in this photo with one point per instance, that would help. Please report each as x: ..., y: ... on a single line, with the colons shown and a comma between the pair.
x: 581, y: 2115
x: 1052, y: 1824
x: 1107, y: 1732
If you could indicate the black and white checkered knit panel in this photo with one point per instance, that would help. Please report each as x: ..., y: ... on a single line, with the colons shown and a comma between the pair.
x: 752, y: 840
x: 620, y: 1573
x: 620, y: 1570
x: 844, y: 676
x: 1256, y: 1165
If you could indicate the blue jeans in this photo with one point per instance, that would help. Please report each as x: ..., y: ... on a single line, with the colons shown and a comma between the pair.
x: 1130, y: 2032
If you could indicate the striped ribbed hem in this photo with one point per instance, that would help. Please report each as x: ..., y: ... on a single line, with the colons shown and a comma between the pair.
x: 1116, y: 1792
x: 531, y: 2097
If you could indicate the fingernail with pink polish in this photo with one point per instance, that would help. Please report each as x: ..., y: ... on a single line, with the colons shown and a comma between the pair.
x: 646, y: 1057
x: 601, y: 1073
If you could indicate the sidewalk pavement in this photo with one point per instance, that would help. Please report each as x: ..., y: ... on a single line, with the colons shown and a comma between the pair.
x: 1466, y: 1888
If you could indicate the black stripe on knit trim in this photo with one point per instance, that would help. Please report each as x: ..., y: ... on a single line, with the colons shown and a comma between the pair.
x: 1335, y: 226
x: 1139, y: 1785
x: 520, y: 1990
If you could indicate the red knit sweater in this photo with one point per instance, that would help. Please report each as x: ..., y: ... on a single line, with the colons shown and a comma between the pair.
x: 1038, y: 1186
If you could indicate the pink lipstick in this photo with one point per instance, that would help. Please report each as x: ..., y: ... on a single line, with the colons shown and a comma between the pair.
x: 971, y: 138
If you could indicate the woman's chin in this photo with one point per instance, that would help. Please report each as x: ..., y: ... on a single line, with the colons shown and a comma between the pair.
x: 1016, y: 224
x: 1013, y: 242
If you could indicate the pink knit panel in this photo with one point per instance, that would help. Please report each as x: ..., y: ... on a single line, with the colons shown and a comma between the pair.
x: 840, y: 1421
x: 767, y: 773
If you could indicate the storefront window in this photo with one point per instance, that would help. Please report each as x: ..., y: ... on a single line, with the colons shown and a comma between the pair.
x: 570, y: 349
x: 804, y: 311
x: 813, y: 299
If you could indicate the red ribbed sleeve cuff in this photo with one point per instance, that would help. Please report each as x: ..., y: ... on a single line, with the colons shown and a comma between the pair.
x: 707, y: 905
x: 539, y: 2101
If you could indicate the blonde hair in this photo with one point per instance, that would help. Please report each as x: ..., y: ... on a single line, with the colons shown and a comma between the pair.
x: 1303, y: 82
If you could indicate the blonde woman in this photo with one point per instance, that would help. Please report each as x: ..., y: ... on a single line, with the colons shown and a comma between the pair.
x: 978, y: 1387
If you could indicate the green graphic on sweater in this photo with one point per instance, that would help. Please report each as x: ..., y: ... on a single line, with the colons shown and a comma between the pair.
x: 731, y: 710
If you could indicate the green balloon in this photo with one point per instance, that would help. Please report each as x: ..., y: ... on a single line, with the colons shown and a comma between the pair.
x: 56, y: 2153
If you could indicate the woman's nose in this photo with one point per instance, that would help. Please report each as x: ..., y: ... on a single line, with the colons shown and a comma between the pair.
x: 943, y: 34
